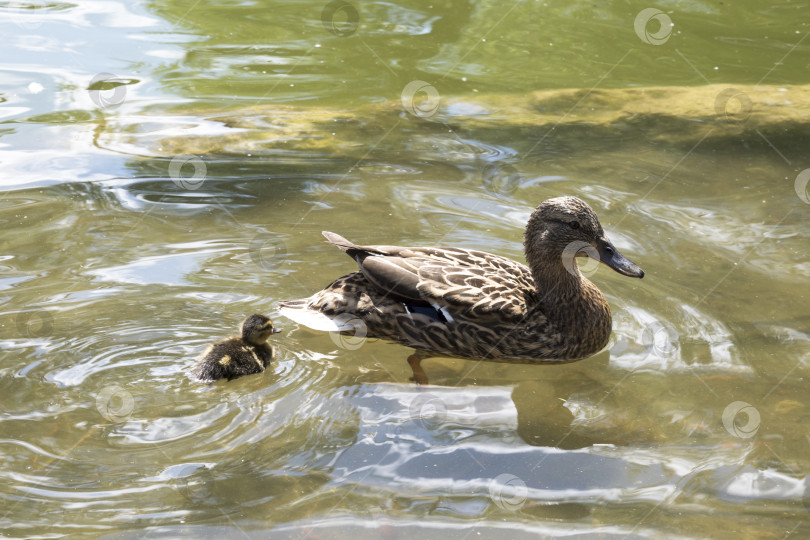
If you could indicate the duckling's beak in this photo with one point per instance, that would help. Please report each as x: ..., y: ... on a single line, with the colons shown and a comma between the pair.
x: 276, y: 331
x: 609, y: 255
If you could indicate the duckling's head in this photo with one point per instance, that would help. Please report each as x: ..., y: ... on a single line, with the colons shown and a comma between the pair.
x: 566, y: 227
x: 257, y: 328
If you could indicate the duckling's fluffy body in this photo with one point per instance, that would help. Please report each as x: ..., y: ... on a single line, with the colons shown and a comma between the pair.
x: 235, y: 356
x: 469, y: 303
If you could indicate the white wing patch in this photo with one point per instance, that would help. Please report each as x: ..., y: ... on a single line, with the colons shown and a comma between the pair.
x: 443, y: 310
x: 319, y: 321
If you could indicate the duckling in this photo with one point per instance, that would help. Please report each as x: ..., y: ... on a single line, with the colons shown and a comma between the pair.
x: 235, y: 356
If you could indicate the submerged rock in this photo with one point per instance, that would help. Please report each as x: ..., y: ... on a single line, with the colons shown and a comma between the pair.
x: 670, y: 115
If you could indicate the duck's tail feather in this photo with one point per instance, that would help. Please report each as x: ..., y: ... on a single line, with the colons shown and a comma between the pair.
x: 300, y: 312
x: 339, y: 241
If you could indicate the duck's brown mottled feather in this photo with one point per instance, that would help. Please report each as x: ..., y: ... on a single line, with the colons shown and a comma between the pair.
x: 469, y: 303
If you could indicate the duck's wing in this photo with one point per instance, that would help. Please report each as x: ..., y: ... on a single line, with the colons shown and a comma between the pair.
x: 478, y: 285
x: 470, y: 284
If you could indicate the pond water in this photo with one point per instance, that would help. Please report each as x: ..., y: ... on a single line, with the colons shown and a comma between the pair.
x: 167, y: 168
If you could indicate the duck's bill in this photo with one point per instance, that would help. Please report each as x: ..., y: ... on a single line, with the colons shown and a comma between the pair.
x: 276, y: 330
x: 609, y: 255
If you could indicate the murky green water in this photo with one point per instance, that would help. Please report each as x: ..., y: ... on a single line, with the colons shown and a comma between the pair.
x: 168, y: 167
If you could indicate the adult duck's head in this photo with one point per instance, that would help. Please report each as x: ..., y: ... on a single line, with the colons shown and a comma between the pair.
x: 564, y: 228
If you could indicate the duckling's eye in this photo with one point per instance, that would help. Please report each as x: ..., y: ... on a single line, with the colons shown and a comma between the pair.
x: 574, y: 224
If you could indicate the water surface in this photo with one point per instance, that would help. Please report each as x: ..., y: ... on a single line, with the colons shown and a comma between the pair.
x: 140, y: 222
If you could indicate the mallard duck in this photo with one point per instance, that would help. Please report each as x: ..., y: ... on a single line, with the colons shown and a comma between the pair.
x: 469, y: 303
x: 235, y: 356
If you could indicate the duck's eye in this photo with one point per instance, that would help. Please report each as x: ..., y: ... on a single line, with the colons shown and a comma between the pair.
x: 574, y: 224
